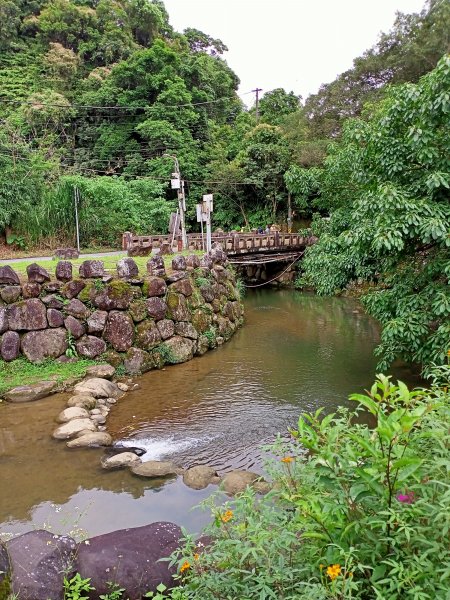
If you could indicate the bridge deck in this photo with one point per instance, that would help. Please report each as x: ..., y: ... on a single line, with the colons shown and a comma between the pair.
x: 234, y: 244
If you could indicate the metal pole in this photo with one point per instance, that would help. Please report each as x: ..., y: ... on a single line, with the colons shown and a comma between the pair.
x: 182, y: 207
x: 77, y: 226
x: 175, y: 227
x: 208, y: 230
x: 289, y: 219
x: 201, y: 229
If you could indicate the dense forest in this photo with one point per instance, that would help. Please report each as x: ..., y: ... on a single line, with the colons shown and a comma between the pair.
x: 101, y: 94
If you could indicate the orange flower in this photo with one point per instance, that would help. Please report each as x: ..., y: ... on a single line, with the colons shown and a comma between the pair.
x: 196, y: 556
x: 227, y: 516
x: 287, y: 459
x: 333, y: 571
x: 185, y: 566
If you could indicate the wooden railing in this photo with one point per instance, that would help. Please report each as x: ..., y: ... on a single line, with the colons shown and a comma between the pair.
x: 232, y: 243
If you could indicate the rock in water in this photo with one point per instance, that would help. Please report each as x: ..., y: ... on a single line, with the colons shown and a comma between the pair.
x: 98, y: 388
x: 156, y: 468
x: 28, y: 393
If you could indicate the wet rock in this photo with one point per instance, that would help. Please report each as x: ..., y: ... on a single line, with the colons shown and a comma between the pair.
x: 10, y: 346
x: 90, y: 346
x: 92, y: 268
x: 184, y: 286
x: 72, y: 428
x: 55, y: 318
x: 200, y: 477
x: 192, y: 261
x: 156, y: 468
x: 138, y: 361
x: 66, y: 253
x: 119, y: 331
x: 77, y: 309
x: 83, y: 401
x: 97, y: 321
x: 147, y: 335
x: 73, y: 288
x: 155, y: 286
x: 8, y: 276
x: 118, y: 448
x: 186, y: 330
x: 98, y: 388
x: 123, y: 386
x: 166, y: 328
x: 37, y: 274
x: 179, y: 263
x: 29, y: 315
x: 101, y: 371
x: 63, y: 270
x: 236, y: 482
x: 155, y: 266
x: 117, y: 295
x: 130, y: 556
x: 127, y: 268
x: 40, y: 560
x: 74, y: 327
x: 10, y: 293
x: 3, y: 320
x: 121, y: 460
x: 74, y: 412
x: 91, y: 440
x: 39, y: 345
x: 156, y: 308
x: 51, y: 301
x: 180, y: 349
x: 177, y: 309
x: 28, y: 393
x: 138, y: 310
x: 31, y: 290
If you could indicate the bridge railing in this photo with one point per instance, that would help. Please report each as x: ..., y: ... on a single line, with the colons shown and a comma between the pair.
x: 232, y: 243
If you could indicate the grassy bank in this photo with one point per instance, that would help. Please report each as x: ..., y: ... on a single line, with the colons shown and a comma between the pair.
x: 21, y: 372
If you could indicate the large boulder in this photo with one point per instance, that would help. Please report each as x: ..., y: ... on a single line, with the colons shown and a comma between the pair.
x: 118, y: 295
x: 40, y: 560
x: 183, y: 286
x: 74, y: 327
x: 147, y: 335
x: 179, y: 263
x: 39, y: 345
x: 186, y: 329
x: 55, y: 318
x: 52, y: 301
x: 91, y: 440
x: 101, y: 371
x: 73, y: 288
x: 29, y: 315
x: 177, y: 309
x: 236, y: 482
x: 74, y: 412
x: 138, y: 361
x: 166, y: 328
x: 156, y: 308
x: 201, y: 320
x: 97, y: 388
x: 121, y: 460
x: 37, y: 274
x: 8, y: 276
x: 73, y: 428
x: 180, y: 349
x: 132, y: 557
x: 119, y: 331
x: 207, y: 292
x: 156, y: 468
x: 155, y: 286
x: 90, y: 346
x: 10, y: 346
x: 77, y: 309
x: 97, y: 321
x: 10, y: 293
x: 155, y: 266
x: 192, y: 261
x: 31, y: 290
x: 63, y: 270
x: 200, y: 477
x: 138, y: 310
x: 33, y: 391
x: 127, y: 268
x: 83, y: 401
x: 92, y: 268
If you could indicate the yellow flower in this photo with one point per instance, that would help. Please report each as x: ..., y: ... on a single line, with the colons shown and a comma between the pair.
x: 185, y: 566
x: 287, y: 459
x: 321, y: 566
x: 196, y: 556
x: 333, y: 571
x: 226, y: 516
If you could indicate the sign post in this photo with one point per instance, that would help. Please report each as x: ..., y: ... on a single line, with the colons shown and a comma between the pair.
x: 207, y: 209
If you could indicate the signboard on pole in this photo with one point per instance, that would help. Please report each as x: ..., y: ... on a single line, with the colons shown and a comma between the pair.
x: 201, y: 216
x: 208, y: 203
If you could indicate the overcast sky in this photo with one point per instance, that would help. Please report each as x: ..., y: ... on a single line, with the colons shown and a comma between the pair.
x: 293, y: 44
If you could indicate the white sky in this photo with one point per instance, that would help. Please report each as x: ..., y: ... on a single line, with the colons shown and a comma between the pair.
x: 293, y: 44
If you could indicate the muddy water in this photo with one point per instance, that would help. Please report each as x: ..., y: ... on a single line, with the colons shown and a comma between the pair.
x: 295, y: 353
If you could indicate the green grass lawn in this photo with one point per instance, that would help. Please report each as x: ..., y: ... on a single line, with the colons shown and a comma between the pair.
x: 110, y: 263
x: 21, y: 372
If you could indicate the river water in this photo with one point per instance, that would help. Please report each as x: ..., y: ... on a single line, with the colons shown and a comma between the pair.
x: 296, y: 352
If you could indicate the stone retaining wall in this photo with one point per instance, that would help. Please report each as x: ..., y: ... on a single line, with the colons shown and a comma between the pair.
x: 138, y: 322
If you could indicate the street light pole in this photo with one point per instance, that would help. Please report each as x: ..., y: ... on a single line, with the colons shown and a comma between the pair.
x: 181, y: 202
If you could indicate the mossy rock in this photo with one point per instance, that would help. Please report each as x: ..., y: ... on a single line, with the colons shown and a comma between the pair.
x: 112, y: 358
x: 89, y: 292
x: 147, y: 335
x: 201, y: 320
x: 138, y: 310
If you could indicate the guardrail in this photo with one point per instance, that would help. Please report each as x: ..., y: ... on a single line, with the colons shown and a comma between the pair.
x: 232, y: 243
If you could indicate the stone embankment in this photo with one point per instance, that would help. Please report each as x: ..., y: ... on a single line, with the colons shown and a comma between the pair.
x: 140, y: 323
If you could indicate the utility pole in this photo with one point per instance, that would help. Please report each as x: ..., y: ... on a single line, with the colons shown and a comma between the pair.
x: 178, y: 184
x: 257, y: 102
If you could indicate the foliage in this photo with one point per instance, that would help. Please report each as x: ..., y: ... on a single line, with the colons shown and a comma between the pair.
x: 360, y: 510
x: 390, y: 225
x: 76, y: 588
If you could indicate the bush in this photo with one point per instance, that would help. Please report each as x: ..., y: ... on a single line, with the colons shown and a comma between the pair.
x: 357, y: 510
